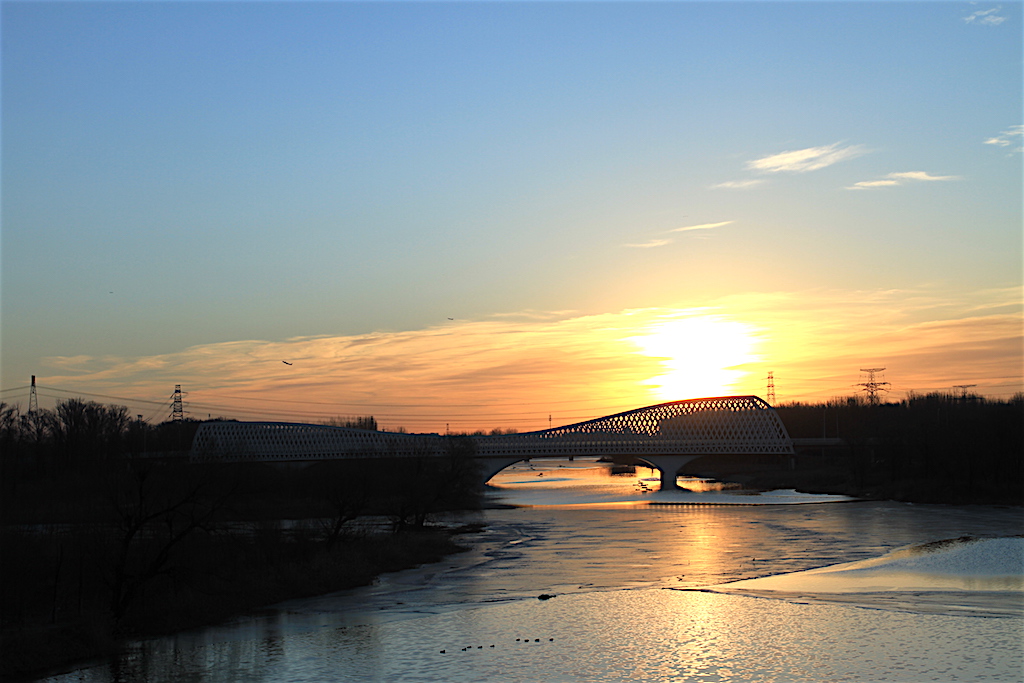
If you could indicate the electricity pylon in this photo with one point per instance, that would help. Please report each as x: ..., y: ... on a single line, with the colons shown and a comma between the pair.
x: 872, y: 386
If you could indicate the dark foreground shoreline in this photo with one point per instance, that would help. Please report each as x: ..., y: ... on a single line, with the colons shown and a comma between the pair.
x: 294, y: 571
x: 96, y: 553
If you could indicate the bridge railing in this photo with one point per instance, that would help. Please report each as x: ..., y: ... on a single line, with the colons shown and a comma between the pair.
x: 289, y: 441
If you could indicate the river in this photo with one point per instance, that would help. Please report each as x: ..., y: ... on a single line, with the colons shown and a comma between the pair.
x: 598, y: 578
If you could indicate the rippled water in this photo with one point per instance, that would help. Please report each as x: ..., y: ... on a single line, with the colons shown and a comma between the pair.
x: 609, y: 557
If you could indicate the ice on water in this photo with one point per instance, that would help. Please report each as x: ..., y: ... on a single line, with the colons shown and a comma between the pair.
x: 992, y: 564
x: 980, y: 576
x: 588, y: 483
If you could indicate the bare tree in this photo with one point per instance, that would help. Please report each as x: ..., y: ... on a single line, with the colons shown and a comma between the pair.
x: 155, y: 511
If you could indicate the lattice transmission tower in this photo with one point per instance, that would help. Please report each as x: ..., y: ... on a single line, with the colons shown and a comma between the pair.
x: 873, y: 386
x: 963, y: 390
x: 33, y: 398
x: 177, y: 408
x: 771, y: 388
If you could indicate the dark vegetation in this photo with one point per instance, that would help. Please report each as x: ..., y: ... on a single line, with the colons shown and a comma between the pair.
x: 932, y: 448
x: 107, y: 532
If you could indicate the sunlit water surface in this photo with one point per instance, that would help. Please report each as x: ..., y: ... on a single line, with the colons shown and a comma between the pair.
x: 711, y: 585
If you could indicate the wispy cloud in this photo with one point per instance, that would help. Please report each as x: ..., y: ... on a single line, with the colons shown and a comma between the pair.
x: 662, y: 241
x: 893, y: 179
x: 985, y: 17
x: 864, y: 184
x: 702, y: 226
x: 808, y: 159
x: 649, y: 244
x: 1010, y: 136
x: 738, y: 184
x: 920, y: 175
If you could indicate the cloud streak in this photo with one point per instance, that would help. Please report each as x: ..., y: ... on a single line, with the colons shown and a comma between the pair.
x: 702, y: 226
x: 986, y: 17
x: 807, y: 159
x: 1010, y: 136
x: 662, y: 241
x: 895, y: 179
x: 649, y: 244
x: 738, y: 184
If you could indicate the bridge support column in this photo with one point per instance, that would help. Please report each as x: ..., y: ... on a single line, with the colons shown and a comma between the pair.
x: 491, y: 466
x: 668, y: 466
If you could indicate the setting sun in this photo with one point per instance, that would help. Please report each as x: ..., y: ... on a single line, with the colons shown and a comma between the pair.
x: 702, y: 355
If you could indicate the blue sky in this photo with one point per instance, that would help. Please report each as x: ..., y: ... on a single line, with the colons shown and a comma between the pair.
x: 186, y: 175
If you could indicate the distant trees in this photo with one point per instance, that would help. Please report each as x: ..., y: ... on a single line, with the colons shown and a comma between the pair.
x: 368, y: 422
x: 80, y: 431
x: 75, y: 428
x: 89, y: 430
x: 929, y: 448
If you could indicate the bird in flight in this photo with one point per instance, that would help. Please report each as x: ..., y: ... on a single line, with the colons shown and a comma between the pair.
x: 286, y: 362
x: 451, y: 318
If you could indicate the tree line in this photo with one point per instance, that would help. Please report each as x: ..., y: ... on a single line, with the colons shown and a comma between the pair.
x: 931, y: 447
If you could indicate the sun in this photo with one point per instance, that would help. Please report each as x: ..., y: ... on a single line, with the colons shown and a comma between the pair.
x: 701, y: 355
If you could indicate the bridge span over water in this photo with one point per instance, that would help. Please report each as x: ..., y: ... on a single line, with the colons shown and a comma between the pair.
x: 665, y: 436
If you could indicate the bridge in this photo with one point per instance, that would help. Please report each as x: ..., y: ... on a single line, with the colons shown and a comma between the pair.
x: 665, y: 436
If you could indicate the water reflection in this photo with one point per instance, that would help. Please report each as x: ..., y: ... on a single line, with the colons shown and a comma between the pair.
x: 585, y: 482
x: 612, y: 618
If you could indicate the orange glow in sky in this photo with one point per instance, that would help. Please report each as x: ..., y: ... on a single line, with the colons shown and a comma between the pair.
x: 701, y: 355
x: 533, y: 369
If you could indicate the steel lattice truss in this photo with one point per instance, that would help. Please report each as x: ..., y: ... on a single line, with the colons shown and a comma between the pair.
x: 738, y: 425
x: 291, y: 441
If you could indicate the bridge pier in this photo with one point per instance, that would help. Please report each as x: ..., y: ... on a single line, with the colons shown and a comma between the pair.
x: 668, y: 466
x: 491, y: 466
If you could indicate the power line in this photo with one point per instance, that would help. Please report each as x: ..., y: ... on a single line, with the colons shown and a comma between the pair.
x: 86, y: 393
x: 367, y: 404
x: 205, y: 406
x: 359, y: 405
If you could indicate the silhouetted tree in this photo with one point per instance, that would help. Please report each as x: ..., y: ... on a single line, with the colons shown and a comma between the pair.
x: 343, y: 486
x: 432, y: 483
x: 155, y: 508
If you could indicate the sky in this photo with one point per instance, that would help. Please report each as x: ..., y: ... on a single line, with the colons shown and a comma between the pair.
x: 477, y: 215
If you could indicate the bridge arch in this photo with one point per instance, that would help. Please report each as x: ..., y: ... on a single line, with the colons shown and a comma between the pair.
x: 666, y: 435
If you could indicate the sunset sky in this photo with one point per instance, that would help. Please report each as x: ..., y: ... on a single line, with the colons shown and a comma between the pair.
x: 477, y: 215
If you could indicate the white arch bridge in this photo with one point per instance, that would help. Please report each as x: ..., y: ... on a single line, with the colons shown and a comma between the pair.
x: 665, y: 436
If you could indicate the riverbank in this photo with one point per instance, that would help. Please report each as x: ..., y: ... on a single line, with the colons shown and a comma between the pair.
x: 828, y: 478
x: 238, y: 576
x: 97, y: 553
x: 851, y: 474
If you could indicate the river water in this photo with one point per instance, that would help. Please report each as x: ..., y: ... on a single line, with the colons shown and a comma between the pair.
x: 708, y: 585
